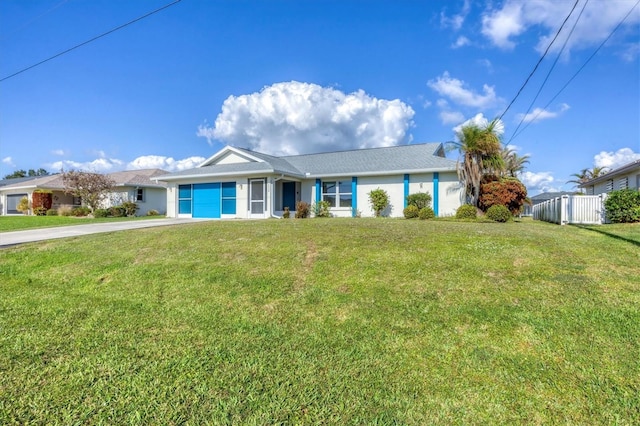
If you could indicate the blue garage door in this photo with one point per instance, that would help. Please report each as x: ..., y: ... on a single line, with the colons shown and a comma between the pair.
x: 206, y: 200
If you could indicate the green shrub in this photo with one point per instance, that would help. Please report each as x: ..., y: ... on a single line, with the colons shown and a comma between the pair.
x: 623, y: 206
x: 426, y: 213
x: 23, y: 205
x: 379, y: 200
x: 466, y: 211
x: 101, y: 213
x: 117, y: 211
x: 499, y: 213
x: 411, y: 211
x: 130, y: 208
x: 302, y: 210
x: 153, y: 212
x: 52, y: 212
x: 419, y: 199
x: 81, y: 211
x: 39, y: 211
x: 65, y: 211
x: 321, y: 209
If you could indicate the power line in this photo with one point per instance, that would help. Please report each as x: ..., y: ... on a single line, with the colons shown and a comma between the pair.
x: 90, y: 40
x: 539, y: 61
x: 579, y: 69
x: 564, y: 45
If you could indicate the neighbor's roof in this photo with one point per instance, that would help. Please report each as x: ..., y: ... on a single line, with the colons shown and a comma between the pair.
x: 550, y: 195
x: 12, y: 181
x: 371, y: 161
x: 140, y: 178
x: 613, y: 173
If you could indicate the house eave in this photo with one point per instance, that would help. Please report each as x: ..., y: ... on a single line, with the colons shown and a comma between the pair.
x: 379, y: 173
x: 612, y: 174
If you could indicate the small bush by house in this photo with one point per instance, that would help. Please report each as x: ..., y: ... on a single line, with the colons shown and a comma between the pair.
x: 466, y: 211
x: 419, y: 199
x: 302, y: 210
x: 411, y: 211
x: 426, y: 213
x: 499, y: 213
x: 623, y: 206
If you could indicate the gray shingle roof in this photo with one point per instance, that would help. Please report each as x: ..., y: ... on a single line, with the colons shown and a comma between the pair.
x: 402, y: 158
x: 142, y: 178
x: 139, y: 178
x: 223, y: 170
x: 371, y: 161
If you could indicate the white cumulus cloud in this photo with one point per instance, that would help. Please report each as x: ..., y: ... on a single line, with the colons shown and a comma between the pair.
x: 481, y: 121
x: 502, y: 24
x: 613, y: 160
x: 296, y: 118
x: 537, y: 182
x: 57, y: 152
x: 458, y: 92
x: 99, y: 165
x: 8, y: 161
x: 166, y: 163
x: 539, y: 114
x: 456, y: 21
x: 461, y: 42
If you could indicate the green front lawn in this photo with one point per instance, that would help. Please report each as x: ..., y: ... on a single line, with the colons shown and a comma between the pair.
x: 18, y: 223
x: 324, y: 321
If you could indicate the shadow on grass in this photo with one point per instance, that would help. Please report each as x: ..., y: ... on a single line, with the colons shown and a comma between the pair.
x: 608, y: 234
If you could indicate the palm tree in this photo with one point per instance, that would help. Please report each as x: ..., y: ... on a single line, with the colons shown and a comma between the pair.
x: 479, y: 146
x: 586, y: 175
x: 513, y: 163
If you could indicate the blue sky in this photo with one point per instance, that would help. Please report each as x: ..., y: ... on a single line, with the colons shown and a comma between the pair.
x: 286, y: 77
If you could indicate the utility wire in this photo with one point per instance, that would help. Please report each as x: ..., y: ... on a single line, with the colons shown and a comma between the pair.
x: 579, y: 69
x: 539, y: 61
x: 90, y: 40
x: 564, y: 45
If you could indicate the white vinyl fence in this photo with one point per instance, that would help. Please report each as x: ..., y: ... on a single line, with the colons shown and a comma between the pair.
x: 578, y: 209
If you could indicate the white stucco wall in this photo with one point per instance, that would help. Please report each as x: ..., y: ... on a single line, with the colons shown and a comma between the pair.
x: 449, y: 194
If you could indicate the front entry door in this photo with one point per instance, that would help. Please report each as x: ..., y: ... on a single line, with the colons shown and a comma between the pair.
x: 289, y: 195
x: 257, y: 189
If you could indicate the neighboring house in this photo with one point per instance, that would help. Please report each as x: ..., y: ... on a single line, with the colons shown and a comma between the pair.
x: 141, y: 187
x: 9, y: 202
x: 527, y: 209
x: 627, y: 176
x: 239, y: 183
x: 135, y: 185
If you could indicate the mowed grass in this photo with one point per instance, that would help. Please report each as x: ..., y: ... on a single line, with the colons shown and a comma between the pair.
x: 324, y: 321
x: 17, y: 223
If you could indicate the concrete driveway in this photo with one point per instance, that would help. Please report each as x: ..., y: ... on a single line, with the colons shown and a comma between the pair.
x: 39, y: 234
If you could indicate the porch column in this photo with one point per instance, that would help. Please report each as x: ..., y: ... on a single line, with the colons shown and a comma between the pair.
x: 436, y: 191
x: 406, y: 189
x: 354, y: 196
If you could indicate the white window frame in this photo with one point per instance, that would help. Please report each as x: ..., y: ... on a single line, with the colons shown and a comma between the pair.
x: 337, y: 192
x: 140, y: 195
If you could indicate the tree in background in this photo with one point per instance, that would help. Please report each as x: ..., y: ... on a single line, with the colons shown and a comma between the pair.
x: 30, y: 173
x: 480, y: 154
x: 92, y: 188
x: 514, y: 164
x: 585, y: 175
